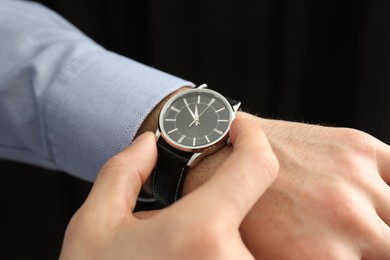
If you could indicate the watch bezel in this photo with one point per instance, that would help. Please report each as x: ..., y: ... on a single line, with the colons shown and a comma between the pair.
x: 215, y: 144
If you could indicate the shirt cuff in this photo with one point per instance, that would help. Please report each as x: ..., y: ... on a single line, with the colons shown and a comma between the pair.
x: 95, y: 107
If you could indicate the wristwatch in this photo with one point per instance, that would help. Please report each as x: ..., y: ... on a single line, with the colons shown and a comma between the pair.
x: 192, y: 124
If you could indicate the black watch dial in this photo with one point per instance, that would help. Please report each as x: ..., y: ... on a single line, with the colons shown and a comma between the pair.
x: 195, y: 119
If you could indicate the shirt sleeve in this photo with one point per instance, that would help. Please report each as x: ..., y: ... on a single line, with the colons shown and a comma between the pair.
x: 66, y: 103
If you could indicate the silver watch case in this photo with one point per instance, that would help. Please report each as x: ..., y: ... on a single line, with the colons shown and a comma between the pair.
x: 198, y: 153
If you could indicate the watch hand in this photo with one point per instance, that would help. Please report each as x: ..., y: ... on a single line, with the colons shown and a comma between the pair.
x: 196, y: 115
x: 196, y: 118
x: 200, y: 115
x: 189, y: 109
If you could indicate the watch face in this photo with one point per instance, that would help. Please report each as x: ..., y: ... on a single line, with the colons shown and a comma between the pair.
x: 195, y: 119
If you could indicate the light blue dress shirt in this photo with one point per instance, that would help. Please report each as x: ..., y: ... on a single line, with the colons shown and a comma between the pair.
x: 66, y: 103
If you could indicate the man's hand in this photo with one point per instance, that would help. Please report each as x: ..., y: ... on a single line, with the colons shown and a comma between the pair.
x: 203, y: 225
x: 331, y: 199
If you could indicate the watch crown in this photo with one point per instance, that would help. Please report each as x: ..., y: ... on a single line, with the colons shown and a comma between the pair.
x: 202, y: 86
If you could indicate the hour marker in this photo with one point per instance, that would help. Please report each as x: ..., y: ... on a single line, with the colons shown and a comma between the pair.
x: 181, y: 139
x: 211, y: 101
x: 220, y: 109
x: 198, y: 99
x: 207, y: 138
x: 170, y: 119
x: 173, y: 130
x: 221, y: 120
x: 218, y: 131
x: 193, y: 141
x: 175, y: 109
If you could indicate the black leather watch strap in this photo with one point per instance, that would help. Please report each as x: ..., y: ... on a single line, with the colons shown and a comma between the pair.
x: 169, y: 174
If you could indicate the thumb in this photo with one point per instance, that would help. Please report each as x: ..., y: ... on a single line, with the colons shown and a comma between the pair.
x: 240, y: 180
x: 120, y: 179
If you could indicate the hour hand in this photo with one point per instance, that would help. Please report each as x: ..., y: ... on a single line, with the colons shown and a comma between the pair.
x: 196, y: 115
x: 189, y: 109
x: 196, y: 118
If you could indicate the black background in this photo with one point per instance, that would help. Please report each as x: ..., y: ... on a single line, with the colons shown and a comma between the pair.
x: 324, y: 62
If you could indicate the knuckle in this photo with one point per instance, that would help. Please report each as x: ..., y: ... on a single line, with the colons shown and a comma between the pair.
x: 353, y: 153
x: 342, y: 206
x: 350, y: 210
x: 353, y: 213
x: 378, y: 235
x: 358, y: 142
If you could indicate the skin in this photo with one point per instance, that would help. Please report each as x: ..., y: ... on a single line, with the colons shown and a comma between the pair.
x: 203, y: 225
x: 331, y: 199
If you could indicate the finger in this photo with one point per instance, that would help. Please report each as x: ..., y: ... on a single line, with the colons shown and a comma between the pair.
x: 377, y: 246
x: 383, y: 157
x: 241, y: 179
x: 120, y: 179
x: 381, y: 198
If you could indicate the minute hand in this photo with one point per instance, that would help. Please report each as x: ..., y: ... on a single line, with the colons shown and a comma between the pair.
x: 197, y: 119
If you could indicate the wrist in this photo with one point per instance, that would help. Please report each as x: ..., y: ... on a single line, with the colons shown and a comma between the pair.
x: 194, y: 176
